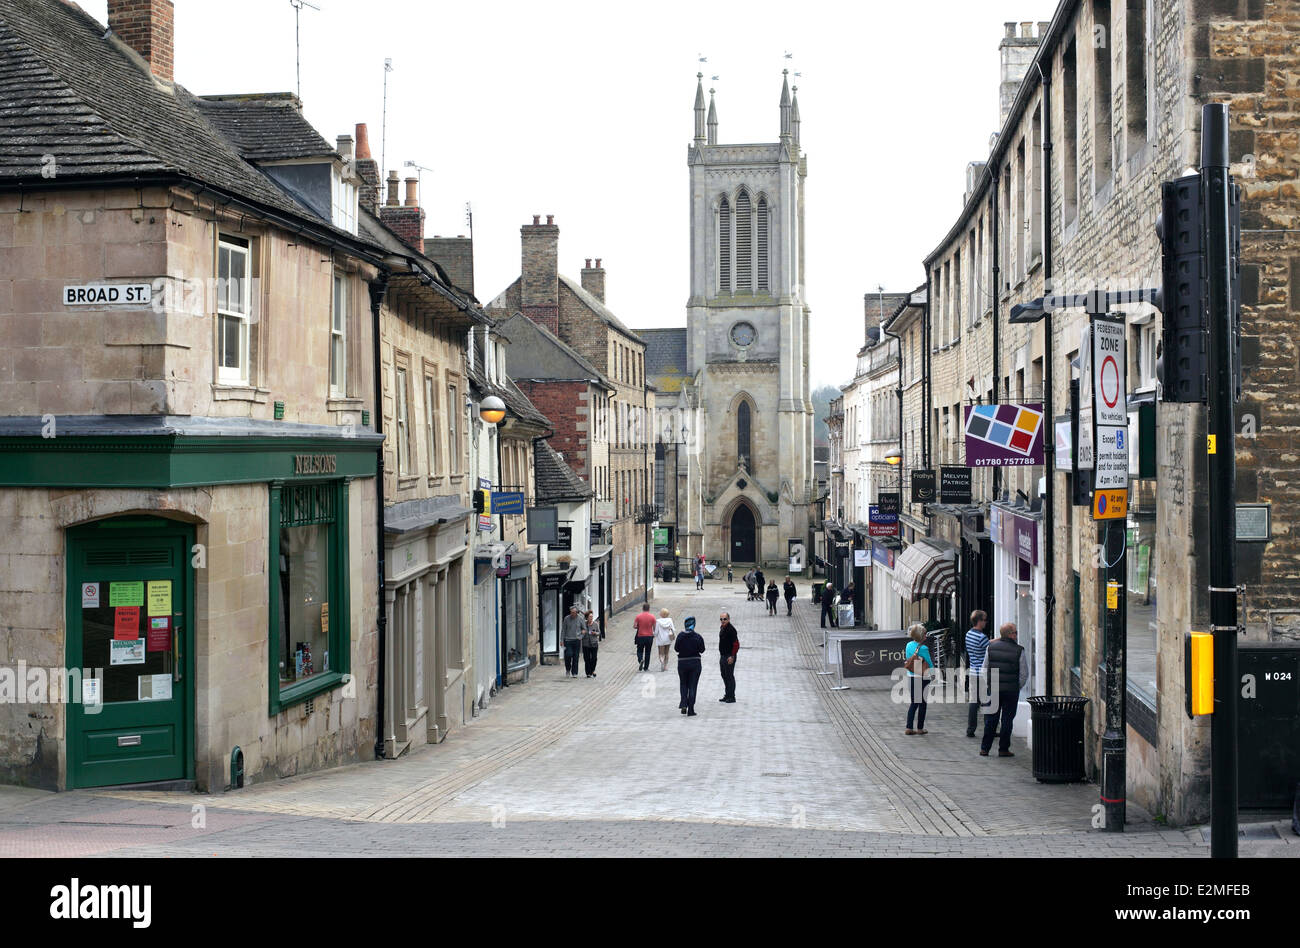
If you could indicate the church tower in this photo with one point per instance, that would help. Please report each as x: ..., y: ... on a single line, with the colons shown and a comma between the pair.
x: 747, y: 340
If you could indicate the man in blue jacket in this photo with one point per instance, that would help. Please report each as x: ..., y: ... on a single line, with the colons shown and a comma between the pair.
x: 689, y: 648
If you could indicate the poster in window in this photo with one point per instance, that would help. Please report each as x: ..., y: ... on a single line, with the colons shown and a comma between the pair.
x: 123, y: 652
x: 159, y: 635
x: 126, y: 594
x: 126, y: 622
x: 160, y: 597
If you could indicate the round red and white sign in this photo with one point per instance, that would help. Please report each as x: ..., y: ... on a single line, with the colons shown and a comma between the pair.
x: 1109, y: 381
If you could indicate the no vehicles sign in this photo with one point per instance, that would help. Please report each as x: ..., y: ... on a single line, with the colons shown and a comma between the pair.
x: 1109, y: 375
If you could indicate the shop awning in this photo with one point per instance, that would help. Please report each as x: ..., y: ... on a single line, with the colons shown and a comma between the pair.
x: 925, y: 570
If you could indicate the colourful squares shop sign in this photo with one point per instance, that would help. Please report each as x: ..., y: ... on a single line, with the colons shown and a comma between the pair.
x: 1004, y: 435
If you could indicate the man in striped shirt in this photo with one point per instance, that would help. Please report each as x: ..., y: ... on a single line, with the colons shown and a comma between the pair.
x: 977, y: 645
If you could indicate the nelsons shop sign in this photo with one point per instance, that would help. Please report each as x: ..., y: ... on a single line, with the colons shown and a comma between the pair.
x: 315, y: 463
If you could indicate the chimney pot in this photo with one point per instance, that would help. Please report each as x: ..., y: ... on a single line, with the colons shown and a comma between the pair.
x: 1010, y: 30
x: 1042, y: 28
x: 363, y: 141
x: 344, y: 147
x: 390, y: 197
x: 147, y: 26
x: 598, y: 263
x: 412, y: 194
x: 537, y: 219
x: 550, y: 220
x: 1027, y: 30
x: 588, y: 263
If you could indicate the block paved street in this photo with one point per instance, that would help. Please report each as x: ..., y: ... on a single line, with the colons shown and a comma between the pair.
x: 607, y: 766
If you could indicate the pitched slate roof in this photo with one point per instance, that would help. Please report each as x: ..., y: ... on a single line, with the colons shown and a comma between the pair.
x: 597, y: 307
x: 554, y: 479
x: 535, y: 353
x: 265, y: 127
x: 70, y: 91
x: 665, y: 357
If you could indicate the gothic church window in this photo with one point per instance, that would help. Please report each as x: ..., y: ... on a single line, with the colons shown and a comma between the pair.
x: 724, y: 247
x: 742, y: 433
x: 762, y: 244
x: 744, y: 244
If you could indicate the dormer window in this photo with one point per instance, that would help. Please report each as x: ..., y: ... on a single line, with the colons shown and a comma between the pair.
x: 343, y: 202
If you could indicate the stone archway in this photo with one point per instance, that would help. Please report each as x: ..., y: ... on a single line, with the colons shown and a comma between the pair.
x: 742, y: 533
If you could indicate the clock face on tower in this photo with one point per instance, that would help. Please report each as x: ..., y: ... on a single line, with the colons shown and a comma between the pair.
x: 743, y: 334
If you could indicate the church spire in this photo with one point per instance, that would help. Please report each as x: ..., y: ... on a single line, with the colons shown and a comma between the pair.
x: 794, y: 116
x: 713, y: 120
x: 699, y: 108
x: 785, y: 104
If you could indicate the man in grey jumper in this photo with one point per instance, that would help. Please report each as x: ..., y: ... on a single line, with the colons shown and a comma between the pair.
x: 571, y: 632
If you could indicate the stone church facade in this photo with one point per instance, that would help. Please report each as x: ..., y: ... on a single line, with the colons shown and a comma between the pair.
x: 747, y: 341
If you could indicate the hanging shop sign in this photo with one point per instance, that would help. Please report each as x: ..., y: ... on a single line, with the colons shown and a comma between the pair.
x: 1064, y: 444
x: 954, y: 485
x: 604, y: 510
x: 543, y: 524
x: 507, y: 502
x: 1026, y: 539
x: 882, y: 554
x: 485, y: 518
x: 923, y: 486
x: 1004, y: 435
x: 861, y: 558
x: 890, y: 503
x: 880, y: 524
x: 563, y: 538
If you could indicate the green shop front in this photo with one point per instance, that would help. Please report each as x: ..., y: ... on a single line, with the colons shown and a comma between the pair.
x: 197, y: 596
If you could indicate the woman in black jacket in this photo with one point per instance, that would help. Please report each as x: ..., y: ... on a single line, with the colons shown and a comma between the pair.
x: 689, y: 647
x: 773, y: 594
x: 790, y: 594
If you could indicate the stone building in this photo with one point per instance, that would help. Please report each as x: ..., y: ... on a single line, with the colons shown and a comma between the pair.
x: 187, y: 475
x: 1113, y: 97
x: 575, y: 313
x: 748, y: 332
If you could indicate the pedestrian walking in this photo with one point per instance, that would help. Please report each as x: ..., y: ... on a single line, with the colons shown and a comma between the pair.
x: 760, y: 582
x: 917, y: 661
x: 665, y: 632
x: 773, y: 594
x: 643, y: 627
x: 730, y: 578
x: 828, y: 605
x: 571, y: 632
x: 699, y: 573
x: 790, y: 595
x: 1007, y: 669
x: 689, y: 648
x: 729, y: 647
x: 977, y: 643
x: 749, y: 584
x: 590, y: 642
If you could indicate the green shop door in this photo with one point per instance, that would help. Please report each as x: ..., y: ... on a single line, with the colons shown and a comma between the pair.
x: 130, y: 630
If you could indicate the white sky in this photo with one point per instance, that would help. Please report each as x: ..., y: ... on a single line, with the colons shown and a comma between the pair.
x: 584, y: 111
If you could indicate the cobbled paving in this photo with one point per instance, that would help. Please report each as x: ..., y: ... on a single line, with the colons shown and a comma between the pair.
x: 608, y: 767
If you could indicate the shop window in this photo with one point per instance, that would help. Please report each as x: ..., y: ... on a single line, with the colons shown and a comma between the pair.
x: 309, y: 595
x: 514, y: 616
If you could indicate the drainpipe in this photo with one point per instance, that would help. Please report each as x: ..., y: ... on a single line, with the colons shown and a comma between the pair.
x: 377, y: 291
x: 997, y: 295
x: 1049, y: 437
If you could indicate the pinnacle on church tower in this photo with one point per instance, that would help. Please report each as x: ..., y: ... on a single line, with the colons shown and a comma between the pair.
x: 794, y: 116
x: 699, y: 108
x: 713, y: 120
x: 785, y: 104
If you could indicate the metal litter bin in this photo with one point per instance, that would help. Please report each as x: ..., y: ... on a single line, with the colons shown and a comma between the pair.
x: 1056, y: 724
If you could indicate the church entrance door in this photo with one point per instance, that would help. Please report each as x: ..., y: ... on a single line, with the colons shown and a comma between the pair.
x: 742, y: 535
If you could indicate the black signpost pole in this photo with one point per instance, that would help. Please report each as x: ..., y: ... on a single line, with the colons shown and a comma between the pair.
x: 1222, y: 451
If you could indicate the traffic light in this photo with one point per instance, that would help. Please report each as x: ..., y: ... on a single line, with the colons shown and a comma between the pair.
x: 1183, y: 296
x: 481, y: 502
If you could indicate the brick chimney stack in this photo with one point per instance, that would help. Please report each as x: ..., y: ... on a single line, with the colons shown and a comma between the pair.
x: 405, y: 220
x: 593, y: 280
x: 146, y: 26
x: 368, y: 171
x: 539, y: 275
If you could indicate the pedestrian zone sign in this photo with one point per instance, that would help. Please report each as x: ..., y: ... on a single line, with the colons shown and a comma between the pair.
x: 1110, y: 505
x: 1111, y: 459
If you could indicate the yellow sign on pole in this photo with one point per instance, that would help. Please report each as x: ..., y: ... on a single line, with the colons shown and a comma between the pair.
x: 1109, y: 504
x: 1112, y: 594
